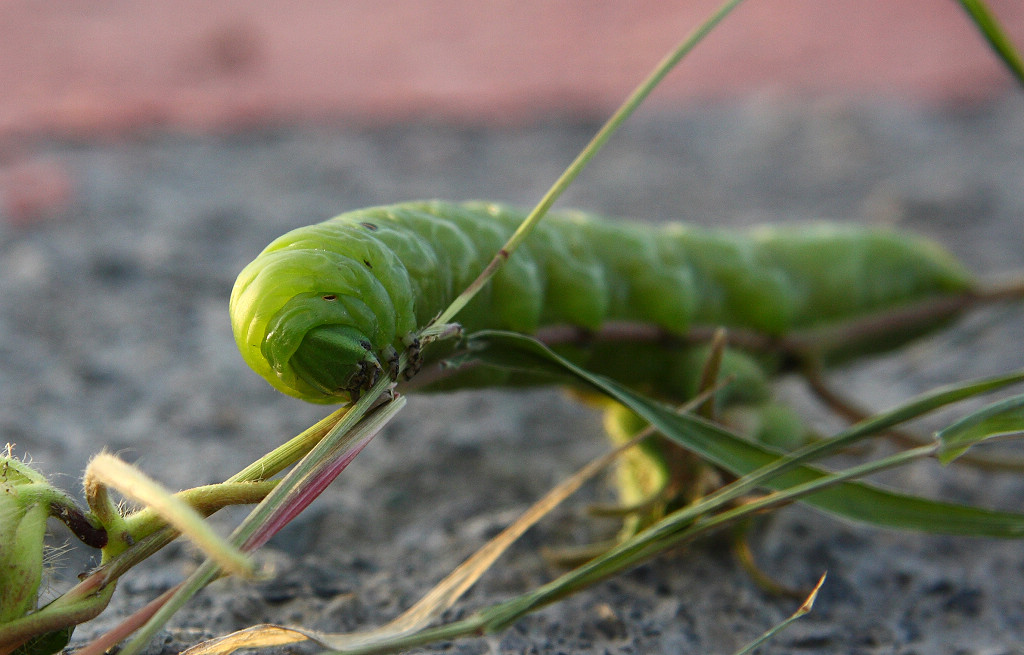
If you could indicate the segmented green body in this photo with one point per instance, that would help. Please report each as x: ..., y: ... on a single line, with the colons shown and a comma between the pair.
x: 324, y: 308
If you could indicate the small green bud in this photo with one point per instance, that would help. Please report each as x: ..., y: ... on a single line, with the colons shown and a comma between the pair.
x: 24, y: 508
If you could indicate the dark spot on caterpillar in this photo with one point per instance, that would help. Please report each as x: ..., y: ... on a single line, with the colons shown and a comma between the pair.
x: 368, y: 264
x: 330, y: 296
x: 366, y: 345
x: 369, y: 226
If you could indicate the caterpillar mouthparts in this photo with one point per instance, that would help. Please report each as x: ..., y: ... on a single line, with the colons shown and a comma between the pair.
x: 336, y: 360
x: 312, y: 340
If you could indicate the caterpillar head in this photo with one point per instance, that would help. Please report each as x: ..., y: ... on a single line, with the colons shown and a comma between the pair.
x: 315, y: 345
x: 312, y: 313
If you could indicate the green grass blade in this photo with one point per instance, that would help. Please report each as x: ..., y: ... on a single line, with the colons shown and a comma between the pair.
x: 687, y: 523
x: 998, y: 420
x: 997, y: 38
x: 700, y: 519
x: 853, y: 500
x: 627, y: 108
x: 343, y: 435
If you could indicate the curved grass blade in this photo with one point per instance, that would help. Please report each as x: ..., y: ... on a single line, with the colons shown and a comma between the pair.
x: 852, y: 500
x: 106, y: 469
x: 686, y: 524
x: 627, y: 108
x: 671, y: 530
x: 442, y: 597
x: 997, y: 38
x: 998, y: 420
x: 340, y: 445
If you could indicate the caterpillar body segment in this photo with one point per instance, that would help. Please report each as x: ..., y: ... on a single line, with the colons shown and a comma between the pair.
x: 324, y: 309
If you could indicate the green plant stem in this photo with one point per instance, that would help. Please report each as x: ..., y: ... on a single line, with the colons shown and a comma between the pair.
x: 340, y: 436
x: 679, y: 526
x: 997, y: 38
x: 290, y: 452
x: 149, y: 534
x: 576, y: 167
x: 107, y: 470
x: 205, y: 500
x: 69, y: 612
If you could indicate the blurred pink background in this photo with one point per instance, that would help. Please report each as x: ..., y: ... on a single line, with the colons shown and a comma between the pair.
x: 85, y: 67
x: 101, y: 69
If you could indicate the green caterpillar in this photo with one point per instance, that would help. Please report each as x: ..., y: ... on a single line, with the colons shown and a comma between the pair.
x: 324, y: 310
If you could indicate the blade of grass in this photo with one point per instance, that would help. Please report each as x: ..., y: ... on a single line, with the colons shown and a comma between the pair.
x: 855, y: 500
x: 106, y: 469
x: 334, y: 445
x: 685, y: 524
x: 697, y: 519
x: 673, y: 529
x: 998, y: 420
x: 997, y: 38
x: 607, y: 130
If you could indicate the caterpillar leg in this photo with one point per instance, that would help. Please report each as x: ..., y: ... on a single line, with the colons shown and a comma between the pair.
x: 651, y: 480
x: 414, y: 346
x: 642, y: 481
x: 414, y: 360
x: 391, y: 357
x: 642, y: 475
x: 658, y: 477
x: 655, y: 477
x: 366, y: 377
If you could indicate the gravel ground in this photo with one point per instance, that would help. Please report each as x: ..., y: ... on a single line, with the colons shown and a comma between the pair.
x: 114, y: 335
